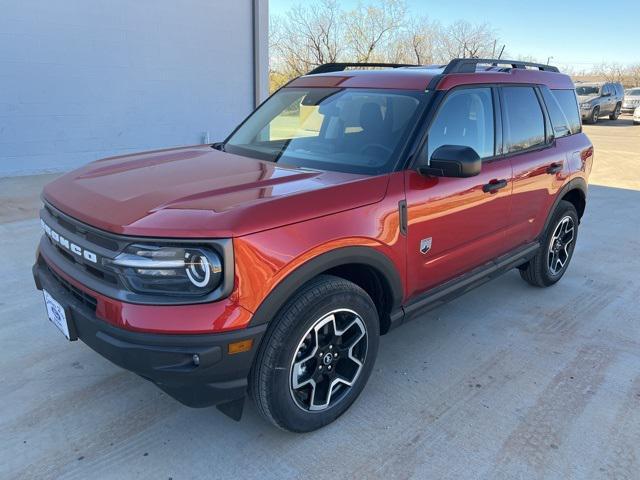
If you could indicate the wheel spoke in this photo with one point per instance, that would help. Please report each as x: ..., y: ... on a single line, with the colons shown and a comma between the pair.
x: 328, y: 360
x: 559, y: 245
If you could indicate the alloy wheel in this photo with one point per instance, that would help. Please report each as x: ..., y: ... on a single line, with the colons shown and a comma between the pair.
x: 328, y: 360
x: 560, y: 245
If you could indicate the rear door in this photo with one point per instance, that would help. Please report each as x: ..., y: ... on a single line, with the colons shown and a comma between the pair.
x: 609, y: 103
x: 455, y: 225
x: 538, y: 164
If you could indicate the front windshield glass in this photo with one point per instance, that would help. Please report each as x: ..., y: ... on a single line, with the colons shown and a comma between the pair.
x: 633, y: 92
x: 585, y: 90
x: 347, y: 130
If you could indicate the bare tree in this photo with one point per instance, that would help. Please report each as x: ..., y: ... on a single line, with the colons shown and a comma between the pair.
x: 370, y: 29
x: 306, y: 37
x: 321, y: 31
x: 633, y: 74
x: 416, y: 42
x: 611, y: 72
x: 467, y: 40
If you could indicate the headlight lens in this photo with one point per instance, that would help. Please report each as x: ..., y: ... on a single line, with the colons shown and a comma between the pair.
x: 179, y: 271
x: 585, y: 106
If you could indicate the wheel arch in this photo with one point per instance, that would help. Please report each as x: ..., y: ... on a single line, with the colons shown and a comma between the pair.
x: 368, y: 268
x: 574, y: 192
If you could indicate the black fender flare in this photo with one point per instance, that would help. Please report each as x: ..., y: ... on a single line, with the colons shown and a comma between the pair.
x: 579, y: 184
x: 368, y: 256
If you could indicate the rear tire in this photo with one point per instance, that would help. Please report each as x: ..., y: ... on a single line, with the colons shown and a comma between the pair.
x: 558, y: 243
x: 616, y: 112
x: 316, y: 356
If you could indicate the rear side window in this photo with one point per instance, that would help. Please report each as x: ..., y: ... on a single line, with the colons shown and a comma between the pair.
x: 465, y: 118
x: 561, y: 127
x: 569, y: 104
x: 523, y: 119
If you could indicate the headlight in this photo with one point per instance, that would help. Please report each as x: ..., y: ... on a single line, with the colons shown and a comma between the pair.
x: 169, y: 270
x: 585, y: 106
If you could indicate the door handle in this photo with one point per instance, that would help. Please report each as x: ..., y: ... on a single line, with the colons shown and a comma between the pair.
x: 493, y: 186
x: 554, y: 168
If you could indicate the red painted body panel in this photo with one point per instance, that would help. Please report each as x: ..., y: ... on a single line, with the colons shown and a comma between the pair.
x: 197, y: 192
x: 536, y: 77
x: 534, y: 190
x: 419, y: 79
x: 398, y: 79
x: 467, y: 225
x: 266, y: 258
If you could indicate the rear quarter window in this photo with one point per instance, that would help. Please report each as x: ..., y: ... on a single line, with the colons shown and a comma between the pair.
x: 569, y: 105
x: 559, y: 121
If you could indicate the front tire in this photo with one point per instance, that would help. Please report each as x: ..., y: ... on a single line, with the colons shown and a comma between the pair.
x: 595, y: 115
x: 616, y: 112
x: 555, y: 253
x: 316, y: 356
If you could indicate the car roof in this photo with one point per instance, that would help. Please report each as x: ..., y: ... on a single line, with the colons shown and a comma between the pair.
x: 431, y: 78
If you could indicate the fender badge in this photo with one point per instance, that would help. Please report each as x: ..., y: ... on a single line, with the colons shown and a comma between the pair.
x: 425, y: 245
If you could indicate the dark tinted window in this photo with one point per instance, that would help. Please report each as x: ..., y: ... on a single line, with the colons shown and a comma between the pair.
x: 569, y: 104
x: 561, y: 127
x: 465, y: 118
x: 523, y: 119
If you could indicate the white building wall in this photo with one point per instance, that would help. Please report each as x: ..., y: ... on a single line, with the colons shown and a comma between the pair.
x: 85, y: 79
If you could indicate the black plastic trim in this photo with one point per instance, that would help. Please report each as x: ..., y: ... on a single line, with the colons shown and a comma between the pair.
x: 576, y: 184
x: 341, y: 256
x: 165, y: 360
x: 403, y: 217
x: 468, y: 65
x: 457, y: 286
x: 339, y: 67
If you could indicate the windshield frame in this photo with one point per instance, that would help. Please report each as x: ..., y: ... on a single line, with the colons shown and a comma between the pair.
x: 396, y: 160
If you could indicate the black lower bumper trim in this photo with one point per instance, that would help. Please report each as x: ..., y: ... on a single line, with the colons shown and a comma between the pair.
x: 214, y: 377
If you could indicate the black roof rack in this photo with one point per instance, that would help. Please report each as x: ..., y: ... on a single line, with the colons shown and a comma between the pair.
x: 339, y: 67
x: 468, y: 65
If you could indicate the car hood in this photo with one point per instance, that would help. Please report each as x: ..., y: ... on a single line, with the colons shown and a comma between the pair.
x: 587, y: 98
x: 202, y: 192
x: 633, y: 98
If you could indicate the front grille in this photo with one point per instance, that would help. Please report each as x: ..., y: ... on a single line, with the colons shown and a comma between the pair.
x: 87, y: 300
x: 100, y: 243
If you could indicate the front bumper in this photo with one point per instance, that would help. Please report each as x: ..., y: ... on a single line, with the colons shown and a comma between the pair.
x: 166, y: 360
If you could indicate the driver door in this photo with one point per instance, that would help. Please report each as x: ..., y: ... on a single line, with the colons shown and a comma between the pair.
x: 457, y: 224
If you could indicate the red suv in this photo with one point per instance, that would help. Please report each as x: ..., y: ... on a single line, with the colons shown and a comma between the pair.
x: 349, y: 202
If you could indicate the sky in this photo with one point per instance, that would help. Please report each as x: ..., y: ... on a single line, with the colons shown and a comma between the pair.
x: 576, y: 33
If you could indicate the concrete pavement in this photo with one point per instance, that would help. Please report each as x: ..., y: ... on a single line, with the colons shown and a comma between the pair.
x: 508, y: 381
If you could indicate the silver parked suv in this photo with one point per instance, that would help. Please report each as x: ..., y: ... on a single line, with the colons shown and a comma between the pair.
x: 598, y: 99
x: 631, y: 100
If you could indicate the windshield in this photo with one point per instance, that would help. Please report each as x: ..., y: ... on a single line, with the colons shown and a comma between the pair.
x: 585, y: 90
x: 347, y: 130
x: 633, y: 92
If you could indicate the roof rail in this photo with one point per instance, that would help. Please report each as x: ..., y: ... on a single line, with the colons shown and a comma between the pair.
x: 468, y: 65
x: 339, y: 67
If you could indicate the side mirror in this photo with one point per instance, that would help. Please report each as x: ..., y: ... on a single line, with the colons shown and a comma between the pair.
x: 453, y: 161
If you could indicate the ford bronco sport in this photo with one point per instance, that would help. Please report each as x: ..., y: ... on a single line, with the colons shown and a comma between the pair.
x: 349, y: 202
